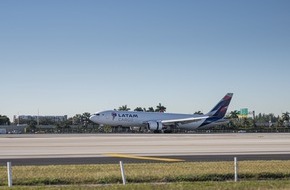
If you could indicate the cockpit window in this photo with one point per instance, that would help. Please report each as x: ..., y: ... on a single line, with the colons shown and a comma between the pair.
x: 97, y: 114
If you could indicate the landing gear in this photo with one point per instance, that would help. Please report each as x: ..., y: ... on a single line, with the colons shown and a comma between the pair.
x: 167, y: 131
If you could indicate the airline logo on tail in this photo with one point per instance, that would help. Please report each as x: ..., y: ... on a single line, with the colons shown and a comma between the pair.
x: 219, y: 111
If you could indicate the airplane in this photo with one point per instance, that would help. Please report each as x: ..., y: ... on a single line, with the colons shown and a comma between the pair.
x: 159, y: 121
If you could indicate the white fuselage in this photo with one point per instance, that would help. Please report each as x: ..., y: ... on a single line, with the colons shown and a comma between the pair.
x: 156, y: 121
x: 130, y: 119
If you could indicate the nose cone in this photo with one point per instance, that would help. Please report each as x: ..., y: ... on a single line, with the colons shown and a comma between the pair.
x: 92, y: 118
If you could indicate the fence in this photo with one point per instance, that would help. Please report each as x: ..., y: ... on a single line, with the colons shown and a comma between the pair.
x: 120, y: 173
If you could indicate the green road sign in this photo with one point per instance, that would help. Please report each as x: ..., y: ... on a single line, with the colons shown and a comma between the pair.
x: 244, y: 111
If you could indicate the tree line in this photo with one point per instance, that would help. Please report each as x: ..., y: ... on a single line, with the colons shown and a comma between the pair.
x: 258, y: 121
x: 159, y: 108
x: 236, y: 122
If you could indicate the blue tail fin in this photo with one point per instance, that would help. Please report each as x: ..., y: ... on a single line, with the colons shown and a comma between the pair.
x: 220, y: 109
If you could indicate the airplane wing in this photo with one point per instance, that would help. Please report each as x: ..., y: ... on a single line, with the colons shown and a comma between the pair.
x: 183, y: 121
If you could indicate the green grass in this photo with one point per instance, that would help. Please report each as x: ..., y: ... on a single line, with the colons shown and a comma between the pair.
x: 180, y: 172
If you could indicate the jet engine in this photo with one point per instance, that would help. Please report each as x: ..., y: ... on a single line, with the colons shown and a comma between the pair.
x: 155, y: 126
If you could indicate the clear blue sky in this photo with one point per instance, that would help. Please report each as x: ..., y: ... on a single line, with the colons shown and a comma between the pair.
x: 70, y: 57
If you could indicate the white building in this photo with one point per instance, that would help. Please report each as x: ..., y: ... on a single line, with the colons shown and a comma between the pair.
x: 23, y: 118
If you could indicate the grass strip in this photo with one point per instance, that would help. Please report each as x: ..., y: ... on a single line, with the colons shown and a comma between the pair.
x: 145, y: 173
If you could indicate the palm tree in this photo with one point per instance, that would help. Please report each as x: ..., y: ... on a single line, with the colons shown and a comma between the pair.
x: 86, y: 119
x: 285, y: 118
x: 150, y: 109
x: 124, y: 108
x: 138, y: 109
x: 4, y: 120
x: 234, y: 114
x: 198, y: 113
x: 280, y: 122
x: 160, y: 108
x: 77, y: 119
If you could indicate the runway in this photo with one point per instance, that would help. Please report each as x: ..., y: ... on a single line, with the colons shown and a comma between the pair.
x: 41, y: 149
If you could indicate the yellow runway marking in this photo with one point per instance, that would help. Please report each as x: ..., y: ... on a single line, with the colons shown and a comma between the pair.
x: 143, y: 157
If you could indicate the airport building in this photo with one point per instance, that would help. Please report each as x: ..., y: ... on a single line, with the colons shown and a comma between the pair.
x: 25, y: 118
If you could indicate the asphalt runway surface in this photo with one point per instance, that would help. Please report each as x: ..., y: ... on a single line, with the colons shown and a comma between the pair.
x: 56, y: 149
